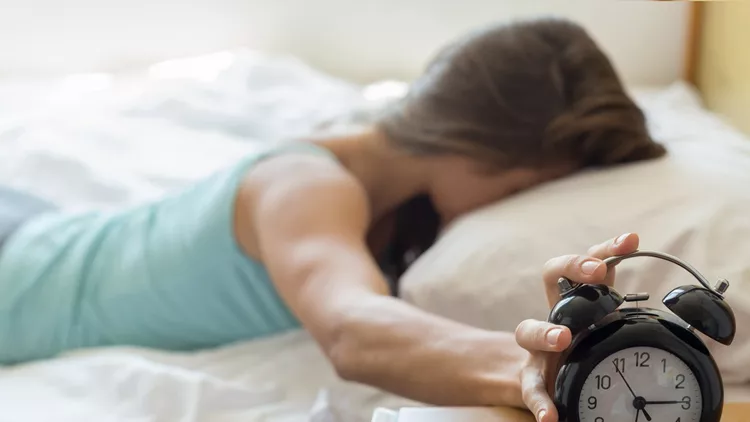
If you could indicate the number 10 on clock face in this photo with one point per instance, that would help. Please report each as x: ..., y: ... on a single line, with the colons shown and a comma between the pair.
x: 640, y: 384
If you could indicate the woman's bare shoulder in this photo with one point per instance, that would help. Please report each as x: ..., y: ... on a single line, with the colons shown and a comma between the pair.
x: 298, y: 189
x: 289, y: 178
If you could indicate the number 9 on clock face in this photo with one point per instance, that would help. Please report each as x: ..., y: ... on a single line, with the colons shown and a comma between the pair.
x: 640, y: 384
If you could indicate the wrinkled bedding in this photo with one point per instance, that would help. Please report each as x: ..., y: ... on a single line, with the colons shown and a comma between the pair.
x: 104, y: 140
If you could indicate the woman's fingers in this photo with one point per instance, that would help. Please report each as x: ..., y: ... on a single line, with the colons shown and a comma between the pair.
x: 544, y: 341
x: 534, y: 393
x: 624, y: 244
x: 589, y: 268
x: 540, y: 336
x: 578, y: 268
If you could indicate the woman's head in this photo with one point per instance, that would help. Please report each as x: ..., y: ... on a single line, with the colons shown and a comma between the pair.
x: 510, y: 106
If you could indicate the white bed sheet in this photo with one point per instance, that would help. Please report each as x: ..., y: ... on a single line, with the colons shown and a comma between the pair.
x: 101, y: 141
x: 105, y: 141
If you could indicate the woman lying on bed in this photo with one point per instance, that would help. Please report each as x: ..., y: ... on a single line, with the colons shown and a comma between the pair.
x: 295, y: 235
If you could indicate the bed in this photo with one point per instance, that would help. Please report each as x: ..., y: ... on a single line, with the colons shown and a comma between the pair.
x: 98, y: 140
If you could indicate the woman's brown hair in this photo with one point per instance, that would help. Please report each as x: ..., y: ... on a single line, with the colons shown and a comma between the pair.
x: 526, y: 93
x: 523, y: 93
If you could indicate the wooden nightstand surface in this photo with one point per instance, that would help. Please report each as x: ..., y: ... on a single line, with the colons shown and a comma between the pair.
x: 733, y: 412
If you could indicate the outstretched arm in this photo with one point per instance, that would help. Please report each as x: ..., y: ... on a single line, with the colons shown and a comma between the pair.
x: 311, y: 228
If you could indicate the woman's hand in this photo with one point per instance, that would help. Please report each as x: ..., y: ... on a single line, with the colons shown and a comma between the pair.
x: 544, y: 341
x: 589, y: 269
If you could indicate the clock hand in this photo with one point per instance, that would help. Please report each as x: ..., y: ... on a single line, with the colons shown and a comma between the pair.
x: 665, y: 402
x: 645, y: 413
x: 626, y: 381
x: 642, y: 405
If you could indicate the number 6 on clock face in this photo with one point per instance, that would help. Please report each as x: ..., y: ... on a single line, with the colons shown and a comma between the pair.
x: 640, y: 384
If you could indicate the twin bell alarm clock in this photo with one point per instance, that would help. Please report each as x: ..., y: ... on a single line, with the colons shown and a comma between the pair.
x: 637, y: 364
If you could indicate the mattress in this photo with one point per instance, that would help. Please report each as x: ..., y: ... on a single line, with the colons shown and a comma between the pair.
x: 105, y: 140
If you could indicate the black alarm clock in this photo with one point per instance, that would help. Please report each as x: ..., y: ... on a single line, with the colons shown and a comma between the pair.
x: 637, y: 364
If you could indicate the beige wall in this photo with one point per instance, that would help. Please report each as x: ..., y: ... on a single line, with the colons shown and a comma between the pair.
x: 724, y: 67
x: 362, y: 40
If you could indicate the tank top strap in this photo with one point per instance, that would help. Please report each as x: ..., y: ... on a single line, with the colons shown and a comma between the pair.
x: 294, y: 148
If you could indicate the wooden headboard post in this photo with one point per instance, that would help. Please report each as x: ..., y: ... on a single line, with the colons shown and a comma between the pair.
x: 694, y: 31
x: 718, y: 60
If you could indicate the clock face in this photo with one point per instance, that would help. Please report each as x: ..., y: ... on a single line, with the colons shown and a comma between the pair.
x: 640, y: 384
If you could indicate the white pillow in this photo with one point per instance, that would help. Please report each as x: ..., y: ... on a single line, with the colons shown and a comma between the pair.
x: 485, y: 269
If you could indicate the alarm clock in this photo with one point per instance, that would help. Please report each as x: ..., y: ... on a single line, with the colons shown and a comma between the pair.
x: 638, y: 364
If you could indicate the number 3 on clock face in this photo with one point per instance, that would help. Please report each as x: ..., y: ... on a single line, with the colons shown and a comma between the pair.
x: 640, y: 384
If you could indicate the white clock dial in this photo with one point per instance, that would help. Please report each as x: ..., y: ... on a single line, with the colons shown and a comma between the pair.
x: 639, y: 384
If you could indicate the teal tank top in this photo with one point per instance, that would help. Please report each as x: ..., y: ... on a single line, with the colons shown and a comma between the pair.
x: 167, y: 274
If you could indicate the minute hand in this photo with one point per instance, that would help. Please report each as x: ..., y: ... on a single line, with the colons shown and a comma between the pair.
x: 645, y: 412
x: 666, y: 402
x: 626, y: 381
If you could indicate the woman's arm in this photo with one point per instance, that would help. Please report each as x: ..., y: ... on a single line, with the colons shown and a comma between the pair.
x: 311, y: 228
x: 311, y: 225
